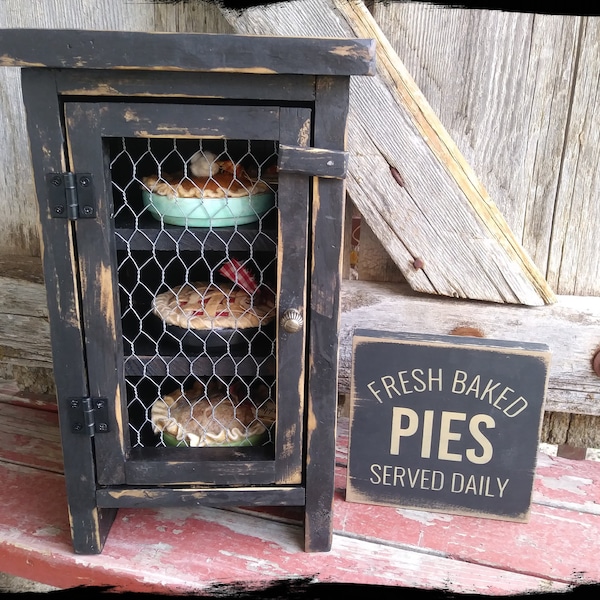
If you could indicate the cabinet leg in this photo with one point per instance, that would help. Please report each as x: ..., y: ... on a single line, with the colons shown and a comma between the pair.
x: 89, y: 528
x: 318, y: 528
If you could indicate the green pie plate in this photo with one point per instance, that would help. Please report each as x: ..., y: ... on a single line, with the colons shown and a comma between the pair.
x: 208, y: 212
x: 253, y: 440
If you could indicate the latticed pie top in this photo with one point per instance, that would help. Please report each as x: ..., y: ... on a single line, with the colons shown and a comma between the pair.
x: 225, y: 181
x: 213, y: 415
x: 209, y: 306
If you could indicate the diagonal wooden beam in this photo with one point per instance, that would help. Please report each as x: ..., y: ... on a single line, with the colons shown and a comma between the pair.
x: 406, y: 175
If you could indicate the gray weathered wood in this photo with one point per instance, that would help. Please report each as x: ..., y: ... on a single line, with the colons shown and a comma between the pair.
x: 570, y: 328
x: 434, y: 207
x: 517, y: 92
x: 578, y: 431
x: 19, y: 225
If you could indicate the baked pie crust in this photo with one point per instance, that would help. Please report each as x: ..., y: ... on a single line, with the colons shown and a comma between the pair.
x: 220, y: 185
x: 210, y: 416
x: 212, y: 306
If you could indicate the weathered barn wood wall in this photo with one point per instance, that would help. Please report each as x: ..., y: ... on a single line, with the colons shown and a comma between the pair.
x: 19, y: 226
x: 515, y: 91
x: 518, y: 94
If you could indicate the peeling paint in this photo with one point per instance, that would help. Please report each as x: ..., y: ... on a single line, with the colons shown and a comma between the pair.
x: 131, y: 115
x: 425, y: 518
x: 568, y: 483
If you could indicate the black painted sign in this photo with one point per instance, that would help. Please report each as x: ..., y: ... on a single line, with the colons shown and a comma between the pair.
x: 445, y: 423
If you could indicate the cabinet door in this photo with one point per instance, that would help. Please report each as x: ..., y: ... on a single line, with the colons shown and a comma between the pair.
x: 182, y: 297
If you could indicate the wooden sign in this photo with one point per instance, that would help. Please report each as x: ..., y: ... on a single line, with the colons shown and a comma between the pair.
x: 445, y: 423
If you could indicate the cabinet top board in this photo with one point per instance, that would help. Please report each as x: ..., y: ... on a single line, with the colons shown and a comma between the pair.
x: 194, y: 52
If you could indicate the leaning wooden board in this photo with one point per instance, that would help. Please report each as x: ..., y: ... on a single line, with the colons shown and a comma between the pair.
x: 181, y: 550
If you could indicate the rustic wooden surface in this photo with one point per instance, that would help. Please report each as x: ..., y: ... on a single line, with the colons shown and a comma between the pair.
x: 517, y: 93
x: 569, y: 327
x: 424, y: 202
x: 19, y: 227
x: 531, y: 140
x: 191, y: 52
x: 192, y: 550
x: 25, y: 349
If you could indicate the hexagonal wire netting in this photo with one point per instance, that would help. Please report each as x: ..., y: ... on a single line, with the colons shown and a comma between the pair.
x: 196, y: 238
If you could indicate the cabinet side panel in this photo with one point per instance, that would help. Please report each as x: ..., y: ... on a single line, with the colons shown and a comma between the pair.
x: 331, y: 109
x: 89, y: 525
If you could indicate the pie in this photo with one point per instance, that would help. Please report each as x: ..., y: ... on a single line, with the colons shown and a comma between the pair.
x: 224, y: 184
x: 214, y: 415
x: 203, y: 305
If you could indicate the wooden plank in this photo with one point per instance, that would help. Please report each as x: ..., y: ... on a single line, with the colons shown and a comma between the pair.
x: 328, y: 203
x: 238, y: 549
x: 578, y: 431
x: 569, y: 328
x: 19, y: 229
x: 171, y: 84
x: 372, y: 545
x: 491, y: 77
x: 294, y: 206
x: 48, y: 155
x: 25, y: 350
x: 132, y: 497
x: 573, y: 265
x: 410, y: 182
x: 68, y: 48
x: 313, y: 161
x: 30, y: 437
x: 178, y: 120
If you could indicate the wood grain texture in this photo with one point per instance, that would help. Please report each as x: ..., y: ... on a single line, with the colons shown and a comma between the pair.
x: 241, y: 550
x: 19, y: 229
x: 517, y: 92
x: 573, y: 265
x: 85, y: 49
x: 569, y: 327
x: 441, y: 212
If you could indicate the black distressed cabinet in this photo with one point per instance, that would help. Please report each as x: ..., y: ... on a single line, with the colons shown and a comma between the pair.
x: 113, y: 115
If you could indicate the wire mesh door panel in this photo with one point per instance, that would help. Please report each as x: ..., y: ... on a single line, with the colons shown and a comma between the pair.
x: 202, y: 246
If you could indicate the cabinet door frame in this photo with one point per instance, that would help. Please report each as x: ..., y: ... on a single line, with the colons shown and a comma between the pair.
x: 87, y: 124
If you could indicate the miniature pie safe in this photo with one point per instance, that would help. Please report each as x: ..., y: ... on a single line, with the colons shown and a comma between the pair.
x: 191, y: 192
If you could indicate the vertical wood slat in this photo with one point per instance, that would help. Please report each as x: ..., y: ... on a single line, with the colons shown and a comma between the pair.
x: 573, y: 266
x: 89, y: 525
x: 331, y: 109
x: 99, y: 289
x: 293, y: 200
x: 517, y: 92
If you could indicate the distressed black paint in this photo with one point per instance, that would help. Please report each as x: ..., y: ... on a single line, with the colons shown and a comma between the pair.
x: 446, y: 423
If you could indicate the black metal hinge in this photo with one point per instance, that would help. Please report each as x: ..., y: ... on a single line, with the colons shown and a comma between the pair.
x: 71, y: 195
x: 88, y: 415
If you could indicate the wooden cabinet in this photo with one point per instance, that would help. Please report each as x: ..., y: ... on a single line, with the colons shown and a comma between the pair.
x: 156, y: 411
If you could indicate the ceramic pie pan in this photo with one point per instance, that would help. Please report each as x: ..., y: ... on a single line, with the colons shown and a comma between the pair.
x: 208, y: 212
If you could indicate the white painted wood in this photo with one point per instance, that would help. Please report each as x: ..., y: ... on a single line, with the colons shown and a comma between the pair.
x: 571, y: 328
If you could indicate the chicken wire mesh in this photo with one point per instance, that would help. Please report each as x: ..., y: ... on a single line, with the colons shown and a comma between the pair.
x: 196, y: 237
